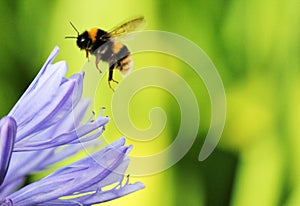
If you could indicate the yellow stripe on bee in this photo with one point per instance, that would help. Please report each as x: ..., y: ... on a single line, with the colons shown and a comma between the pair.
x: 126, y: 65
x: 116, y: 47
x: 93, y: 34
x: 126, y: 60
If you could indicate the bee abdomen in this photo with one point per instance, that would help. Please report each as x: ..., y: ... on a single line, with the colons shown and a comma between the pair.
x: 125, y: 64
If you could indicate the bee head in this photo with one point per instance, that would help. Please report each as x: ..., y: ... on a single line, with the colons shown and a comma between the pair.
x: 83, y: 40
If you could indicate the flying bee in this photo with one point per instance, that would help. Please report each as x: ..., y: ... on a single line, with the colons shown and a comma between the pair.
x: 107, y: 48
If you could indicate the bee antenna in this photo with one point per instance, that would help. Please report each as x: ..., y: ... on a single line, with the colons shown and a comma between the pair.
x: 74, y: 28
x: 70, y: 37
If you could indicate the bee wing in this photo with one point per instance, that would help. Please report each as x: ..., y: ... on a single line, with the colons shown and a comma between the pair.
x: 129, y: 26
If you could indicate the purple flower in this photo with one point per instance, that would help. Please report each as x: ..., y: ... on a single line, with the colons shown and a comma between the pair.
x: 52, y: 105
x: 46, y: 126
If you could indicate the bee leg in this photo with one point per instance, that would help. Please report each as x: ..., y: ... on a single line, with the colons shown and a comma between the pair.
x: 110, y: 86
x: 110, y: 76
x: 97, y: 63
x: 97, y: 66
x: 87, y: 54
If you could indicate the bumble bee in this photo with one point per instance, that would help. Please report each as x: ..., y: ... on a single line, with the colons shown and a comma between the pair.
x: 105, y: 47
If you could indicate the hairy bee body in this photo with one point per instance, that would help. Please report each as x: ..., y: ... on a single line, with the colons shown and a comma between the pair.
x: 116, y: 54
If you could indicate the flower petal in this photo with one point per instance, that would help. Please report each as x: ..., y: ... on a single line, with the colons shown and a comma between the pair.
x: 41, y: 117
x: 33, y: 84
x: 99, y: 196
x: 104, y: 196
x: 23, y: 163
x: 73, y: 136
x: 76, y: 177
x: 46, y: 83
x: 50, y: 99
x: 8, y: 130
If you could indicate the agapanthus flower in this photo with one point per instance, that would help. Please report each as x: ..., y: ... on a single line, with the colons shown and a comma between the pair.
x: 46, y: 126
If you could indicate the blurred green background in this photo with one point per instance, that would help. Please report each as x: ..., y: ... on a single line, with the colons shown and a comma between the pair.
x: 255, y: 46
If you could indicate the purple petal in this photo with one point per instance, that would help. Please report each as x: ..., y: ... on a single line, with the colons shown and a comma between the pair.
x: 10, y: 187
x: 32, y: 86
x: 46, y: 86
x: 73, y: 178
x: 8, y: 129
x: 50, y: 99
x: 99, y: 196
x: 66, y: 124
x: 6, y: 202
x: 70, y: 150
x: 104, y: 196
x: 65, y: 138
x: 22, y: 163
x: 46, y: 115
x: 115, y: 176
